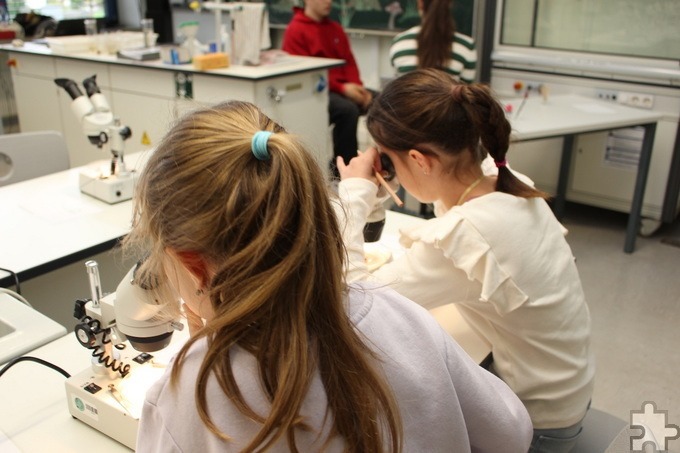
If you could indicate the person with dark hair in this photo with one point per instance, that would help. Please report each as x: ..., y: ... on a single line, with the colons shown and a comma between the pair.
x: 312, y: 33
x: 284, y: 355
x: 495, y: 248
x: 435, y: 44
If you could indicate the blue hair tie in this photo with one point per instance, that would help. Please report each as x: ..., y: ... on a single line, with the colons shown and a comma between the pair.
x: 259, y: 145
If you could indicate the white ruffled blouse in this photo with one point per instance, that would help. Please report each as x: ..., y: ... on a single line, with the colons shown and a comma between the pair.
x: 506, y: 264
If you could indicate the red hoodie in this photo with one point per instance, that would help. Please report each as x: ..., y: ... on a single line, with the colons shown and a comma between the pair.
x: 326, y: 39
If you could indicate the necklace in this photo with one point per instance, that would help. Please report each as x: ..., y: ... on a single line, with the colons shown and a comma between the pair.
x: 467, y: 191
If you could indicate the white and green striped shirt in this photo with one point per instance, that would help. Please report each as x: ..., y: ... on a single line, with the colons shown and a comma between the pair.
x: 463, y: 55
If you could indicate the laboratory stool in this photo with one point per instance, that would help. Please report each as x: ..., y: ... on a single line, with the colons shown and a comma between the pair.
x: 599, y: 431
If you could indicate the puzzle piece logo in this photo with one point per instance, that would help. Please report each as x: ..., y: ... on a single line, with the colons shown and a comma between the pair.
x: 655, y: 431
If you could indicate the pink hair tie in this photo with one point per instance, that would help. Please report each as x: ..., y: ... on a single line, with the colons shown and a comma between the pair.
x: 501, y: 163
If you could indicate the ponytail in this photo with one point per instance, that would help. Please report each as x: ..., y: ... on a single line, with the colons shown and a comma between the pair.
x: 488, y: 117
x: 436, y: 32
x: 429, y: 107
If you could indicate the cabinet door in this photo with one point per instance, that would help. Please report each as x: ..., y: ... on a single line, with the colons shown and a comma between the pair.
x: 35, y: 92
x: 212, y: 90
x: 301, y: 108
x: 601, y: 179
x: 36, y: 100
x: 144, y: 100
x: 148, y: 118
x: 539, y: 160
x: 78, y: 71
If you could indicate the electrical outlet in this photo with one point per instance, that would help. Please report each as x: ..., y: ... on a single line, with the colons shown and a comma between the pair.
x: 607, y: 95
x: 641, y: 100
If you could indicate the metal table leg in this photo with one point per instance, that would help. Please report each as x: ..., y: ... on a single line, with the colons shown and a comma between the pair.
x: 640, y: 185
x: 565, y: 165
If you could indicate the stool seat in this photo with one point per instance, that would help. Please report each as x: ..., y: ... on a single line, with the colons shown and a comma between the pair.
x: 599, y: 431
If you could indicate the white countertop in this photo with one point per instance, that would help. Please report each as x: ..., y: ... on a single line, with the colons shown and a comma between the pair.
x: 288, y: 64
x: 571, y: 114
x: 23, y: 329
x: 46, y: 219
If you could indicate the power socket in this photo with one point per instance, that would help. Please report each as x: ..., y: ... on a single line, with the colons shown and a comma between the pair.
x: 645, y: 101
x: 607, y: 95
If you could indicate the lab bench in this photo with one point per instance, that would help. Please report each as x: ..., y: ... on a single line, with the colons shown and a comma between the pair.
x: 603, y: 166
x: 148, y: 96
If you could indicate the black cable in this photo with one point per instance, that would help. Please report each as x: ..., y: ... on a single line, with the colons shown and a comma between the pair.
x: 16, y: 278
x: 33, y: 359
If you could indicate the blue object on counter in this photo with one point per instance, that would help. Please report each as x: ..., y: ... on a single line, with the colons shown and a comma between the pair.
x: 174, y: 56
x: 213, y: 47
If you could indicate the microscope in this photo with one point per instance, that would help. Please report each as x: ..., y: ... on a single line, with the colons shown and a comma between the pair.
x: 122, y: 330
x: 102, y: 129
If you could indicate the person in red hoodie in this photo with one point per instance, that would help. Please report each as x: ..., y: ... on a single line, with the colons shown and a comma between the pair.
x: 312, y: 33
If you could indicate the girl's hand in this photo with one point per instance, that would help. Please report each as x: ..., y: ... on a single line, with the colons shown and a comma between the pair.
x: 363, y: 165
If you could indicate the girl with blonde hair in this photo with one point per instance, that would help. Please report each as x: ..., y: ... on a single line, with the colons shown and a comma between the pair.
x: 234, y: 213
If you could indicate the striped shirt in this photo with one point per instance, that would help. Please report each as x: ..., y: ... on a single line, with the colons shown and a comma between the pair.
x: 463, y: 55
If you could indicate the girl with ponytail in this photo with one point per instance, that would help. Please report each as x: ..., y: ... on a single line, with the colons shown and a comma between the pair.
x: 234, y: 213
x: 435, y: 44
x: 495, y: 249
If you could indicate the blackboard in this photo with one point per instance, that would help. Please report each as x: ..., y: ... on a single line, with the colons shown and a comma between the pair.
x: 374, y: 14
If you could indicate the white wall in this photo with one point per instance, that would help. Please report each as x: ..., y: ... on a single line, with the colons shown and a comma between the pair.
x: 130, y: 13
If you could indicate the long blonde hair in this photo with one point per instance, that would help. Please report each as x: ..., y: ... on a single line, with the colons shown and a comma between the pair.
x: 269, y: 229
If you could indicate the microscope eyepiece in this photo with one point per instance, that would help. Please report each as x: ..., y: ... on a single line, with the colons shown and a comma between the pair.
x: 387, y: 167
x: 91, y: 86
x: 70, y: 86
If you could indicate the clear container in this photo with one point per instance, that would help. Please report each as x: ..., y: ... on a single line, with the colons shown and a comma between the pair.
x: 147, y: 31
x: 90, y: 27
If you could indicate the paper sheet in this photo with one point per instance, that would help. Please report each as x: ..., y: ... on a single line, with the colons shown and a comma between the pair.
x: 57, y: 209
x: 6, y: 445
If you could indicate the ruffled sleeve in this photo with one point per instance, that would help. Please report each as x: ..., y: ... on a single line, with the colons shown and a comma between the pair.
x: 462, y: 244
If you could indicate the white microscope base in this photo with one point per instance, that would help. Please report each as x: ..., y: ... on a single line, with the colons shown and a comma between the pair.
x: 101, y: 409
x: 108, y: 188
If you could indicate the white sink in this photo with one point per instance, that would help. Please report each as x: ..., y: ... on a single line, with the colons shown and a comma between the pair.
x: 23, y: 329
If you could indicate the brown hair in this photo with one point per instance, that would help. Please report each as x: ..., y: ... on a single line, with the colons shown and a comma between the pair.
x: 427, y: 108
x: 436, y: 32
x: 269, y: 230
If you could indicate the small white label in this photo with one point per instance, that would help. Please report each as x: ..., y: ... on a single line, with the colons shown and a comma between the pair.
x: 84, y: 407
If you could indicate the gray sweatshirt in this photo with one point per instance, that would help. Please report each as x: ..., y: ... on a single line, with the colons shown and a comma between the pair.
x: 446, y: 401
